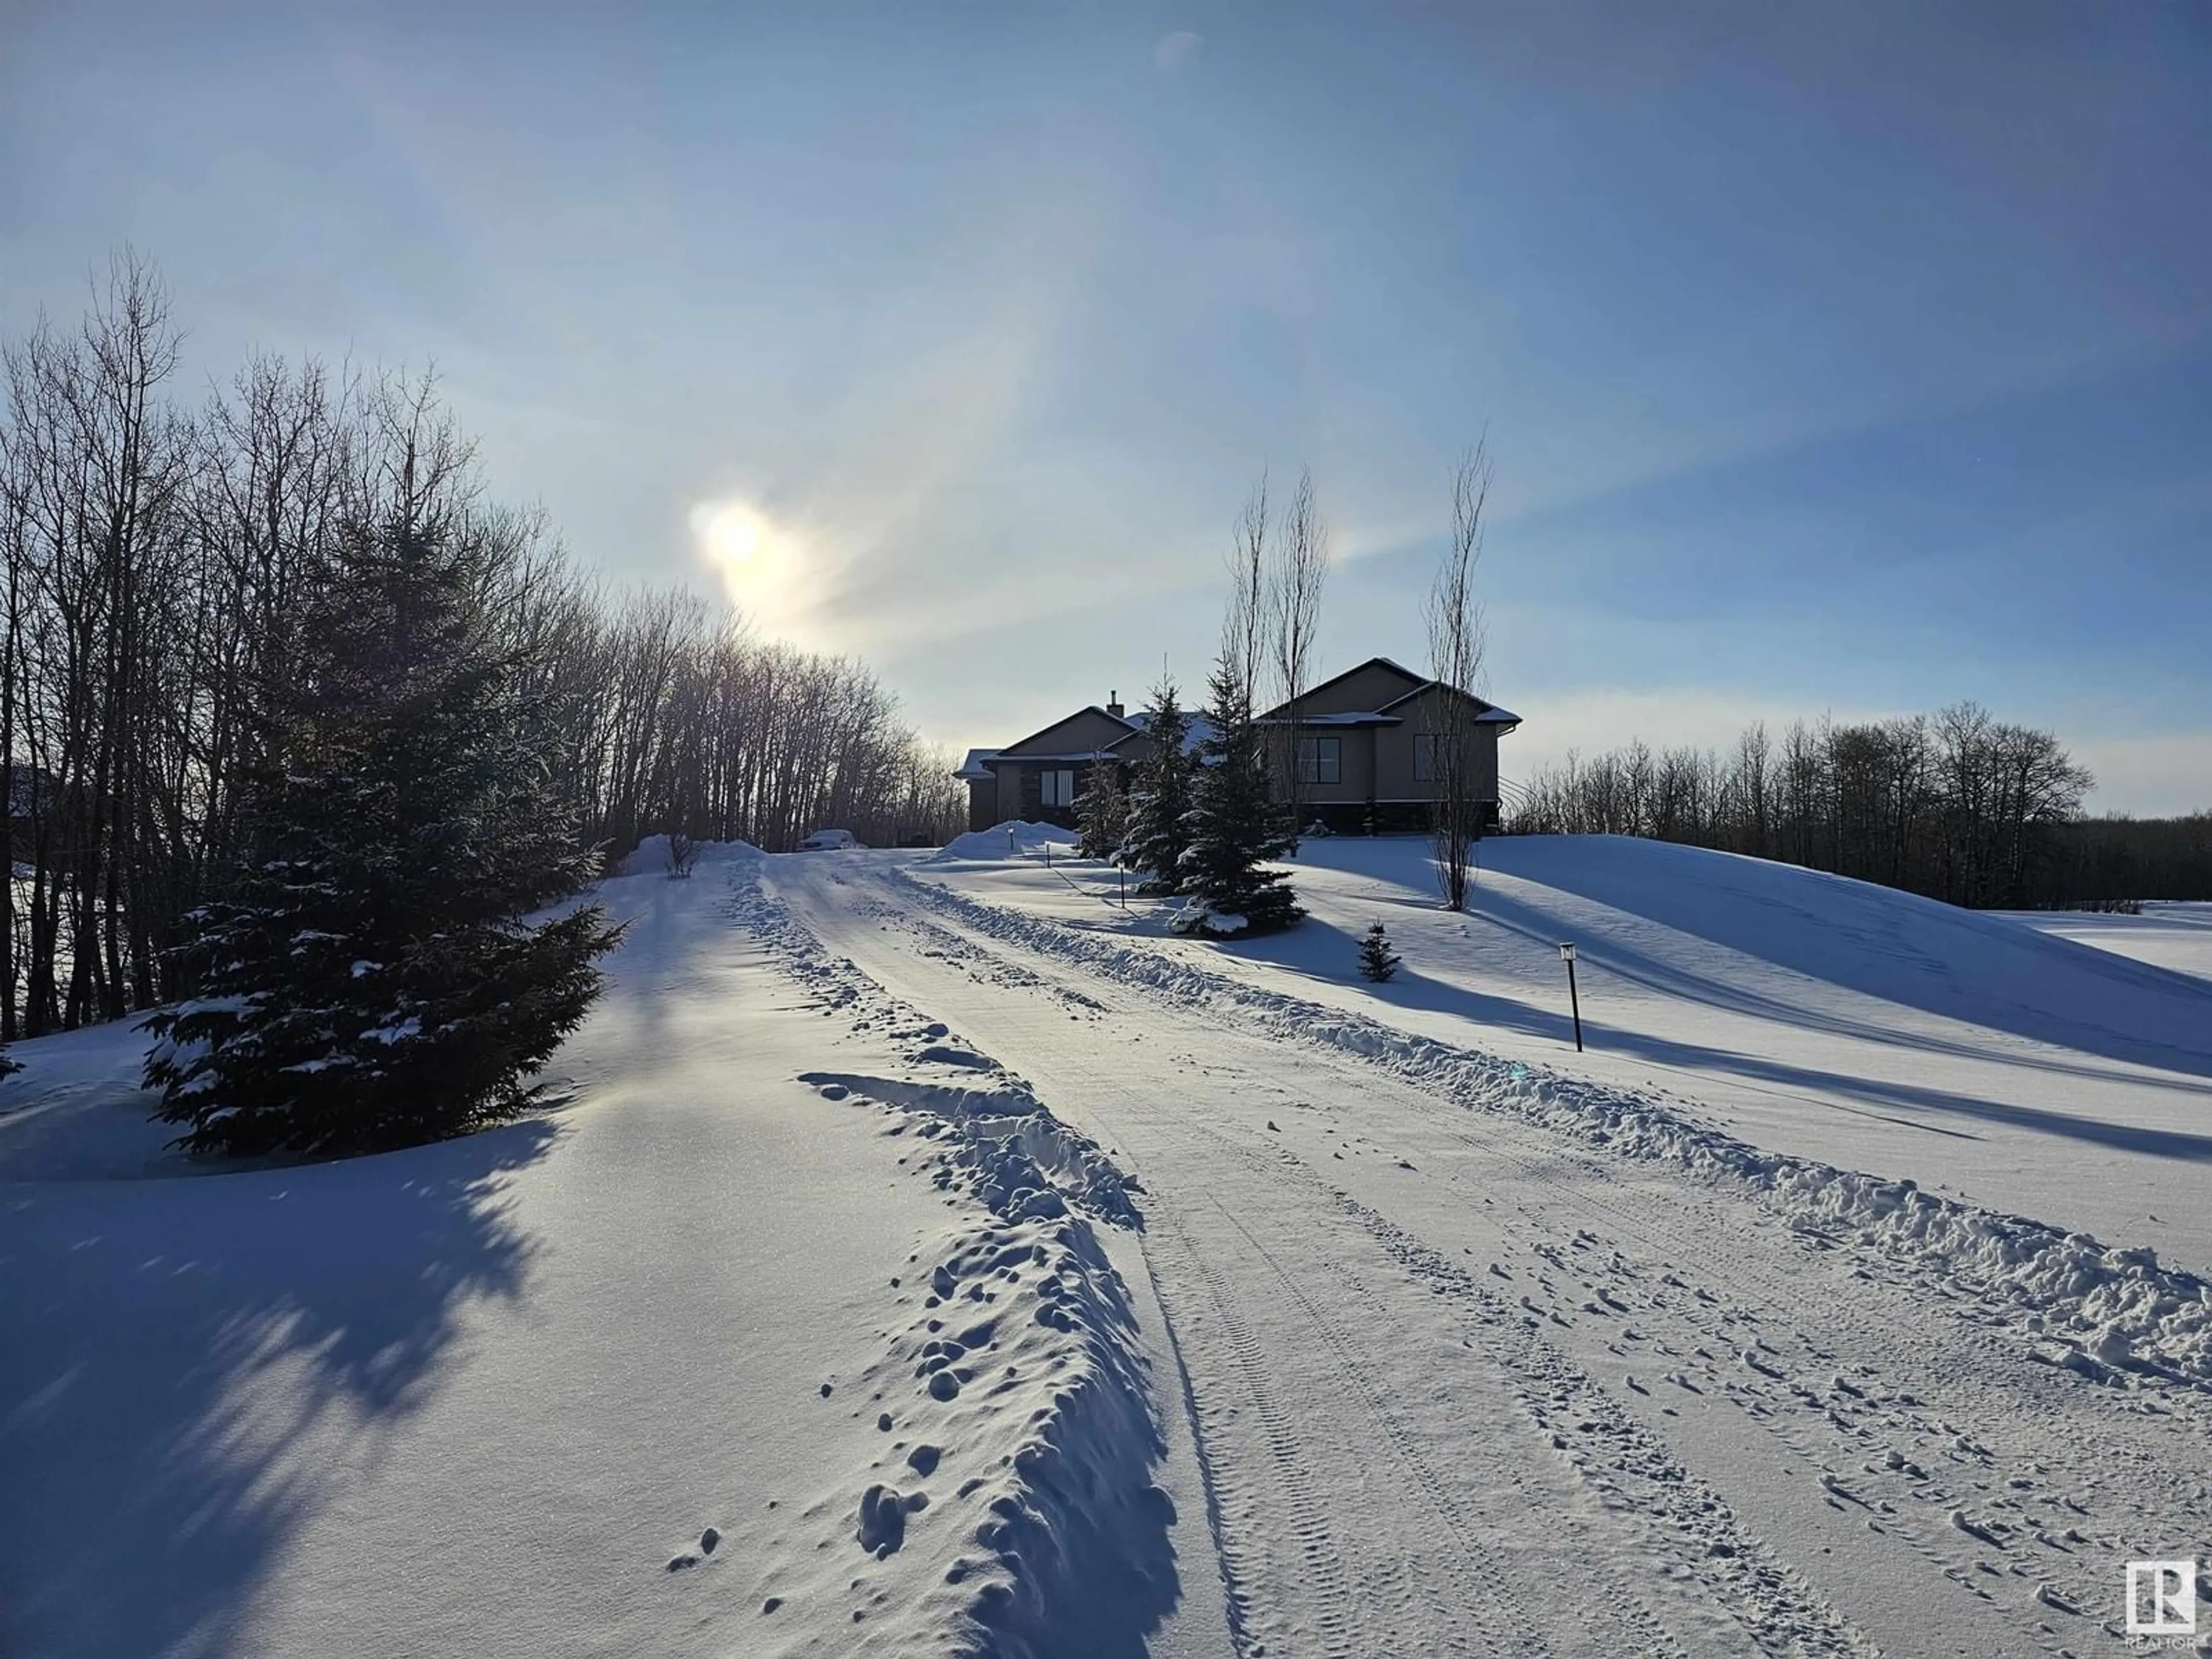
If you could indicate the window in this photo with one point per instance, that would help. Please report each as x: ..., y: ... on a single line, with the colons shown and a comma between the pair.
x: 1321, y: 760
x: 1057, y: 788
x: 1425, y: 757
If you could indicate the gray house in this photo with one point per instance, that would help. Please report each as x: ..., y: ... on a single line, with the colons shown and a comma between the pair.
x: 1364, y: 745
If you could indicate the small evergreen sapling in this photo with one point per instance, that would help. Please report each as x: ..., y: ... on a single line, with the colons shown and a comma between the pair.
x: 1377, y: 961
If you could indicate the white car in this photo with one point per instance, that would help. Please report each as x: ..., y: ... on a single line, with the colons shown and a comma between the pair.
x: 828, y: 841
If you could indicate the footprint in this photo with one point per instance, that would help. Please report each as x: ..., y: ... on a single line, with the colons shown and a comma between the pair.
x: 884, y: 1511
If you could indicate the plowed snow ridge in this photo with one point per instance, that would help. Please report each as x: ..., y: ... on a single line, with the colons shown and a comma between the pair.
x: 2095, y: 1309
x: 1078, y: 1542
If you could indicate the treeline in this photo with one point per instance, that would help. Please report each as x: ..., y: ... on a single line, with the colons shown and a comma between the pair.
x: 676, y: 718
x: 158, y: 555
x: 1957, y: 805
x: 2118, y: 859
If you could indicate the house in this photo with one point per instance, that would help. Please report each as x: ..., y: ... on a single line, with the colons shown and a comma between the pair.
x: 1041, y: 778
x: 1366, y: 746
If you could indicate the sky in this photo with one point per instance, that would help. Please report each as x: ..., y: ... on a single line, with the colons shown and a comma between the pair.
x: 1852, y: 360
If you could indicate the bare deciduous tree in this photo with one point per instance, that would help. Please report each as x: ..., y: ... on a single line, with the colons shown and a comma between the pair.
x: 1244, y: 620
x: 1961, y: 806
x: 157, y: 561
x: 1458, y: 638
x: 1299, y: 572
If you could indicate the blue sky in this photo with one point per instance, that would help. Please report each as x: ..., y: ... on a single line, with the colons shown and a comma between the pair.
x: 1853, y: 359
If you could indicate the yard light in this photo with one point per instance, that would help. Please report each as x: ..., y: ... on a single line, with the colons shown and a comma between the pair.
x: 1574, y: 997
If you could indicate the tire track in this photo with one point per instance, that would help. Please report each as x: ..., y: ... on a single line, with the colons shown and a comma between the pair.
x: 1725, y: 1243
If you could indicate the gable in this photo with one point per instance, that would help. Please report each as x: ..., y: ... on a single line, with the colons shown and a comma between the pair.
x: 1419, y: 709
x: 1360, y: 691
x: 1083, y: 732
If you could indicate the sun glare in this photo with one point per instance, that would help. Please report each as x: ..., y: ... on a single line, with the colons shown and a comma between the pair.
x: 731, y: 532
x: 764, y: 567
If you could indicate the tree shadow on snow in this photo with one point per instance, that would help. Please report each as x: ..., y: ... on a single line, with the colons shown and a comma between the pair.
x: 183, y: 1358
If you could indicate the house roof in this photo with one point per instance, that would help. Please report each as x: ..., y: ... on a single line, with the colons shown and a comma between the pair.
x: 977, y: 765
x: 1490, y: 715
x: 1414, y: 681
x: 1346, y: 719
x: 1088, y: 708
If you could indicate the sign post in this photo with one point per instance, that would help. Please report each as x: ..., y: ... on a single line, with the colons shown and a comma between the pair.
x: 1574, y: 997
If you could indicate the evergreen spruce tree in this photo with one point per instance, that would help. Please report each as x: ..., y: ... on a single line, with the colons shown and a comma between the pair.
x: 370, y: 982
x: 1236, y: 829
x: 1377, y: 961
x: 1159, y: 802
x: 1102, y: 812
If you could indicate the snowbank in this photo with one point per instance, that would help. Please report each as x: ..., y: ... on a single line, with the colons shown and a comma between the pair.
x: 650, y: 857
x: 2091, y: 1308
x: 1015, y: 838
x: 1019, y: 1346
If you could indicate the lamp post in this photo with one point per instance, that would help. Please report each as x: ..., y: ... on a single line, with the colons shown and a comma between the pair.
x: 1574, y: 997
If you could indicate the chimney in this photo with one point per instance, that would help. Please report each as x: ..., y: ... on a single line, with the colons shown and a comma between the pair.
x: 1114, y: 704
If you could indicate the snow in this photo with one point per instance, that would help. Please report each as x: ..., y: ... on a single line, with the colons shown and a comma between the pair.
x: 1013, y: 839
x: 650, y: 856
x: 605, y: 1380
x: 1393, y: 1263
x: 1807, y: 1014
x: 2174, y: 935
x: 926, y: 1253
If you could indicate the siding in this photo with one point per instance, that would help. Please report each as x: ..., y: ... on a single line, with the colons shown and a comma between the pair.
x: 1360, y: 692
x: 1356, y: 768
x: 1078, y: 734
x: 1393, y: 754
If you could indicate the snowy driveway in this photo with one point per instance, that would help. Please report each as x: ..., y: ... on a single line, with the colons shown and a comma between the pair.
x: 1463, y: 1384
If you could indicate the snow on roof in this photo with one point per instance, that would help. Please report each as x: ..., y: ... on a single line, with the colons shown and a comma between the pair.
x: 978, y: 763
x: 1498, y: 716
x: 1346, y: 719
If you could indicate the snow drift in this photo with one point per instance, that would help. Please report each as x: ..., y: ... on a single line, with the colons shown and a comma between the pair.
x: 1015, y: 838
x: 650, y: 856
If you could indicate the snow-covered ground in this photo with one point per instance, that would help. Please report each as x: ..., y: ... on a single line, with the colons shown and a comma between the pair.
x: 620, y: 1379
x: 1805, y: 1012
x: 2176, y: 935
x: 1213, y: 1300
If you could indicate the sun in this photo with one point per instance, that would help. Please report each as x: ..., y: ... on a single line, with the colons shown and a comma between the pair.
x: 731, y: 533
x: 769, y: 572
